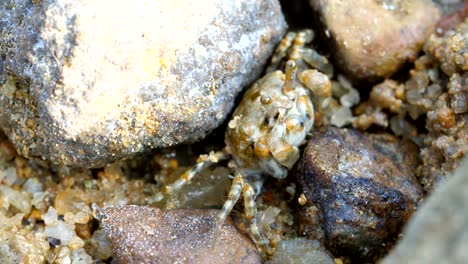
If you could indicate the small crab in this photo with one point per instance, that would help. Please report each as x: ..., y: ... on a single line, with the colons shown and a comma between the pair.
x: 267, y: 128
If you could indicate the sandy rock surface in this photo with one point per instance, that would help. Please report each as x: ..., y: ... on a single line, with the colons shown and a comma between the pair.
x: 86, y: 82
x: 150, y: 235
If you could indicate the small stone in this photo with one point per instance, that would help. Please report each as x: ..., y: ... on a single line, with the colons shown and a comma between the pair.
x: 99, y: 246
x: 63, y: 256
x: 79, y: 256
x: 83, y: 83
x: 301, y: 251
x: 62, y: 231
x: 451, y: 49
x: 18, y: 199
x: 76, y: 243
x: 374, y: 38
x: 438, y: 232
x: 150, y: 235
x: 302, y: 199
x: 360, y: 190
x: 22, y: 246
x: 51, y: 217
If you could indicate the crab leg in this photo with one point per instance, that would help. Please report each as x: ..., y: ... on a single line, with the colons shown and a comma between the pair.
x: 240, y: 186
x: 233, y: 197
x: 203, y: 162
x: 251, y: 212
x: 314, y: 59
x: 291, y: 70
x: 281, y: 51
x: 301, y: 39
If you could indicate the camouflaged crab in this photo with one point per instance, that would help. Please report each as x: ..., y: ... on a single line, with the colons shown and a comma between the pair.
x: 267, y: 128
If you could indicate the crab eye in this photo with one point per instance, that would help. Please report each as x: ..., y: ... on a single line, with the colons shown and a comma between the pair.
x: 290, y: 64
x: 265, y: 99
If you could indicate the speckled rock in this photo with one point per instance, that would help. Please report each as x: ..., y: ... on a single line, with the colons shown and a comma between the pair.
x: 150, y: 235
x: 374, y: 38
x: 438, y: 232
x: 86, y: 82
x: 360, y: 190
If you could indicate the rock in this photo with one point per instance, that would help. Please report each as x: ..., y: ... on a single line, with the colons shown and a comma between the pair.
x: 83, y: 83
x: 454, y: 14
x: 360, y: 190
x: 374, y: 38
x: 446, y: 140
x: 208, y: 189
x: 19, y: 245
x: 438, y: 100
x: 301, y: 251
x: 438, y: 232
x: 451, y: 49
x: 150, y: 235
x: 449, y: 6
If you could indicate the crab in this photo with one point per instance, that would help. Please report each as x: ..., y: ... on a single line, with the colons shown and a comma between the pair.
x: 268, y: 127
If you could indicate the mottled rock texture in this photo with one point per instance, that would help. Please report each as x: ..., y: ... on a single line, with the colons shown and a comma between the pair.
x: 373, y: 38
x: 86, y: 82
x: 438, y: 232
x: 360, y: 190
x: 150, y: 235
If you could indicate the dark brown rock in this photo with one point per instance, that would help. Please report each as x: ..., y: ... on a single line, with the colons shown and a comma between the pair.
x: 360, y: 190
x: 374, y: 38
x: 150, y: 235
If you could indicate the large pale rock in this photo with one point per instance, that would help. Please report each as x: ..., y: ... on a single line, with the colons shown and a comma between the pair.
x: 86, y: 82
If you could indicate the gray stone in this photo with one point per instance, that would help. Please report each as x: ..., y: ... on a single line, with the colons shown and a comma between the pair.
x: 86, y: 82
x: 438, y: 232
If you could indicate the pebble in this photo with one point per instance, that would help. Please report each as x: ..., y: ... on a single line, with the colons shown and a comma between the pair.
x: 360, y: 190
x: 150, y: 235
x: 83, y: 83
x: 374, y: 38
x: 451, y: 49
x: 301, y: 251
x: 19, y: 245
x: 438, y: 232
